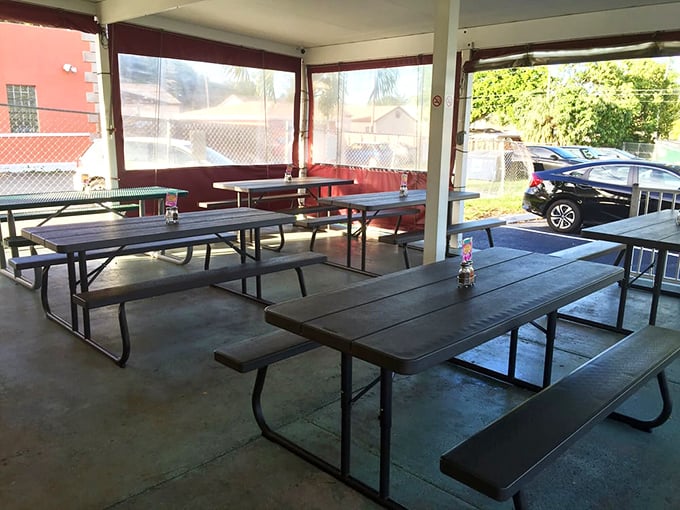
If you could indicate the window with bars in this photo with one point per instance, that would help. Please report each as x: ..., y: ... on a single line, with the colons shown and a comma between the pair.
x: 23, y: 114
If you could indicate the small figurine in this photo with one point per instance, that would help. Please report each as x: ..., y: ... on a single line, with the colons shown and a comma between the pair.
x: 288, y: 177
x: 171, y: 210
x: 403, y: 188
x: 466, y: 273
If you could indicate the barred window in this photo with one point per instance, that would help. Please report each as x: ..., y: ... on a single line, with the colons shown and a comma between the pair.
x: 23, y: 114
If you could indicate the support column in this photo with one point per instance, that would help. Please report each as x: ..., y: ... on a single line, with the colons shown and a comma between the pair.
x: 106, y: 108
x: 441, y: 125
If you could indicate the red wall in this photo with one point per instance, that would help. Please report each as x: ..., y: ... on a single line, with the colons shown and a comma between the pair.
x: 36, y: 56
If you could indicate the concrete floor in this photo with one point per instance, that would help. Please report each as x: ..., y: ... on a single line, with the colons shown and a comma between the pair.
x: 174, y: 429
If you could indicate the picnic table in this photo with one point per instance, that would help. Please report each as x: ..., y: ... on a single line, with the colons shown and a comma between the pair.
x: 250, y: 192
x: 657, y: 231
x: 45, y: 206
x: 76, y: 240
x: 379, y: 201
x: 412, y: 320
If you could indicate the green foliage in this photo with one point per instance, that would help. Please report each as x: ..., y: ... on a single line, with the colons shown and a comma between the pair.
x: 601, y: 103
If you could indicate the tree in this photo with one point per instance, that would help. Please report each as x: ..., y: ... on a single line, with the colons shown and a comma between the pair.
x: 384, y: 89
x: 502, y: 96
x: 601, y: 103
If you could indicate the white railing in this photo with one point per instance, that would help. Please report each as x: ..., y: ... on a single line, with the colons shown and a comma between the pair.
x: 643, y: 201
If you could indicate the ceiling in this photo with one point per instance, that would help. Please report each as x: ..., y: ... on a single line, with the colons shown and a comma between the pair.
x: 325, y: 23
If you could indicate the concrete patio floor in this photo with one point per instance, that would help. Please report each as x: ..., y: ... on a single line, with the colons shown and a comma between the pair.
x: 174, y: 429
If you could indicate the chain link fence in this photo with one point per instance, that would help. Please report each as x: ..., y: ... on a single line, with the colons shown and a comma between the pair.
x: 494, y: 163
x: 642, y: 150
x: 45, y: 156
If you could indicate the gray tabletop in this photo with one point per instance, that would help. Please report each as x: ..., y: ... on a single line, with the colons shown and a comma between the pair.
x: 61, y: 198
x: 107, y: 234
x: 411, y: 320
x: 266, y: 185
x: 657, y: 230
x: 390, y: 199
x: 653, y: 230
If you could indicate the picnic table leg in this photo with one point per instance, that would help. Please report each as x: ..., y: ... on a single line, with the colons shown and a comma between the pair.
x: 551, y: 327
x: 346, y: 412
x: 349, y: 237
x: 72, y: 288
x: 363, y: 240
x: 84, y: 285
x: 385, y: 431
x: 258, y: 256
x: 242, y: 239
x: 659, y: 273
x: 627, y: 263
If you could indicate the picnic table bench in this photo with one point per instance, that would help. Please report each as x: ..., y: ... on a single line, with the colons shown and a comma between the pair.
x: 122, y: 294
x: 41, y: 262
x: 45, y: 206
x: 403, y: 239
x: 501, y: 459
x: 316, y: 223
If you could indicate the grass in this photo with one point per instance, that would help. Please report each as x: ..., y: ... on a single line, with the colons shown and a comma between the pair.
x: 495, y: 200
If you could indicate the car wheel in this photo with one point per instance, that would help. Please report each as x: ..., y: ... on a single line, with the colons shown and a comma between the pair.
x: 564, y: 217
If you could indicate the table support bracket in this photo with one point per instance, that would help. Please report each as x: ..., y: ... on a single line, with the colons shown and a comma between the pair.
x: 312, y: 458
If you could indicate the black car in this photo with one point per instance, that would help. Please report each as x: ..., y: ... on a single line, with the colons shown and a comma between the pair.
x: 594, y: 192
x: 547, y: 157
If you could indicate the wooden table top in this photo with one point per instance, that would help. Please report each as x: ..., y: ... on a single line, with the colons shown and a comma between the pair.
x: 653, y: 230
x: 279, y: 184
x: 108, y: 234
x: 61, y: 198
x: 390, y: 199
x: 413, y: 319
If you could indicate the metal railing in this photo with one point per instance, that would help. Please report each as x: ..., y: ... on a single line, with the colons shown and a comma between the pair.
x: 647, y: 200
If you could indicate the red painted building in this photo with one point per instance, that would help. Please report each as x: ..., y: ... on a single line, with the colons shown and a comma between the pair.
x: 50, y: 72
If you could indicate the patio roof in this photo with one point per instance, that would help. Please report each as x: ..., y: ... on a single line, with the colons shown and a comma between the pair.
x: 329, y: 30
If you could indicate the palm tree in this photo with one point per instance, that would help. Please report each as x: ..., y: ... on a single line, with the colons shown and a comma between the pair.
x: 384, y: 87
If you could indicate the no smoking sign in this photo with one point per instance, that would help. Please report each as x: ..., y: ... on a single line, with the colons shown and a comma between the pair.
x: 437, y: 101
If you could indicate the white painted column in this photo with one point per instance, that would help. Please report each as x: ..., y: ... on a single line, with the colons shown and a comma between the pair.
x: 441, y: 125
x: 106, y: 110
x: 462, y: 138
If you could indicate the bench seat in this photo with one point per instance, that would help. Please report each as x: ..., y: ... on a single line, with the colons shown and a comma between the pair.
x: 592, y: 250
x: 501, y: 459
x: 262, y: 351
x: 403, y: 239
x: 310, y: 209
x: 218, y: 204
x: 122, y: 294
x: 318, y: 222
x: 41, y: 261
x: 40, y: 214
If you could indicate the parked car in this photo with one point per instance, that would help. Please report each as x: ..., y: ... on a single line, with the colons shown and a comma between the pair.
x: 546, y: 157
x: 594, y: 192
x: 144, y: 153
x: 583, y: 151
x: 612, y: 153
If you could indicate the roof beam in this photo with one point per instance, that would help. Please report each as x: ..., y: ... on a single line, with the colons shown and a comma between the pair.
x: 113, y: 11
